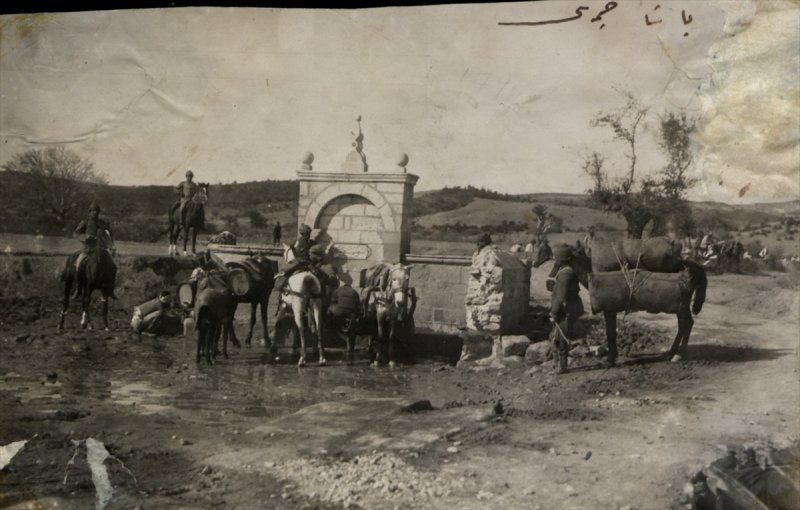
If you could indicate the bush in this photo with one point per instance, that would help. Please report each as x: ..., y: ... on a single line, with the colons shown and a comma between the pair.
x: 257, y: 220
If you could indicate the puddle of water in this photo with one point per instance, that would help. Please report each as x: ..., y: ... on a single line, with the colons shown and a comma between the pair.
x: 140, y: 396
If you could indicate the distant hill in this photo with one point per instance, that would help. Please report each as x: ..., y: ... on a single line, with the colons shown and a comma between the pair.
x: 249, y: 209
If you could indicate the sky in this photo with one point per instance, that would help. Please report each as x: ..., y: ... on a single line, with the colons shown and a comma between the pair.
x: 243, y: 94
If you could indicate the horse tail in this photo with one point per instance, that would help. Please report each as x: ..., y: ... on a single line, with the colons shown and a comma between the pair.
x: 699, y: 281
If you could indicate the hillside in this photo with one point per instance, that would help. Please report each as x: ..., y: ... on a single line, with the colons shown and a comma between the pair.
x: 249, y: 209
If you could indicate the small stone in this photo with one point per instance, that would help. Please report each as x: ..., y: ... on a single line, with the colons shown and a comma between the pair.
x: 284, y: 495
x: 457, y: 443
x: 538, y: 353
x: 452, y: 449
x: 514, y: 345
x: 269, y: 464
x: 587, y: 456
x: 484, y: 495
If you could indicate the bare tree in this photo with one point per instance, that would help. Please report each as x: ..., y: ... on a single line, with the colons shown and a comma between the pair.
x: 653, y: 198
x: 544, y: 220
x: 58, y: 177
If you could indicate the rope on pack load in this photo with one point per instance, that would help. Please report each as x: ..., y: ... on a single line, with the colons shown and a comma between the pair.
x: 630, y: 279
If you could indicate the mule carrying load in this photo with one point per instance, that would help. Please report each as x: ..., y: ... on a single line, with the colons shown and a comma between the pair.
x: 214, y: 294
x: 640, y: 275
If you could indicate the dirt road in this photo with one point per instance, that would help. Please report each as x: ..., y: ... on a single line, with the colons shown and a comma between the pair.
x: 245, y: 433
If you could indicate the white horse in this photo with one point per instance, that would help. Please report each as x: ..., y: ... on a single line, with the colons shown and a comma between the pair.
x: 394, y: 306
x: 302, y: 294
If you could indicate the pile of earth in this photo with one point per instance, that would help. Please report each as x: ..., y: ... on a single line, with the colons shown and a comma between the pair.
x: 632, y: 337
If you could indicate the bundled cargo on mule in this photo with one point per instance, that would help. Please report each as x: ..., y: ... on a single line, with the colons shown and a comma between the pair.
x: 657, y: 254
x: 638, y: 290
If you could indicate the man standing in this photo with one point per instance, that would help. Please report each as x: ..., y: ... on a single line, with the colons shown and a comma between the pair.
x: 187, y: 190
x: 565, y: 307
x: 276, y: 233
x: 344, y: 309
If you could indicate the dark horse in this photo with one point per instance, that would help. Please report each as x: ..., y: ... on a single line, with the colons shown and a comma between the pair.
x: 98, y: 272
x: 260, y: 272
x: 194, y: 218
x: 631, y: 290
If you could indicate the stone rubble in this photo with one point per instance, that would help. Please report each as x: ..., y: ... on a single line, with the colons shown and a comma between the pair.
x: 377, y: 475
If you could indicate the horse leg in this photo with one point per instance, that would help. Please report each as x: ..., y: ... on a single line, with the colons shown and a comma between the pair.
x: 676, y: 344
x: 194, y: 241
x: 104, y: 301
x: 226, y: 331
x: 201, y: 342
x: 297, y: 309
x: 86, y: 322
x: 392, y: 334
x: 611, y: 336
x: 65, y: 303
x: 316, y: 309
x: 253, y: 307
x: 350, y: 338
x: 263, y: 309
x: 379, y: 315
x: 185, y: 238
x: 685, y: 323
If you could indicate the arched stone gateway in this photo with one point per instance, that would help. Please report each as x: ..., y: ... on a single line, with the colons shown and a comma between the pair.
x: 366, y: 214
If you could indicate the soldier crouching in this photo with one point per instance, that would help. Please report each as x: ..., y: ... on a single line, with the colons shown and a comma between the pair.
x: 153, y: 317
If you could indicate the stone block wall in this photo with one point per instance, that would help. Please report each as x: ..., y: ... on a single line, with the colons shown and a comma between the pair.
x: 441, y: 291
x: 498, y: 292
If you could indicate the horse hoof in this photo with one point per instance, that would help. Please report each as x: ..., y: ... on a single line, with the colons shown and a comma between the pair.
x: 302, y: 362
x: 323, y: 362
x: 676, y: 358
x: 392, y: 364
x: 374, y: 364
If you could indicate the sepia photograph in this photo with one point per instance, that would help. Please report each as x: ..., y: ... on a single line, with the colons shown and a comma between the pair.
x: 526, y: 255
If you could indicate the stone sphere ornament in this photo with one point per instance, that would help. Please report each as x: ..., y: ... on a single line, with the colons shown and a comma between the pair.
x: 307, y: 160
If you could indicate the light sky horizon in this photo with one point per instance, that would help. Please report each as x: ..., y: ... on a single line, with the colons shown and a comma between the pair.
x: 241, y: 94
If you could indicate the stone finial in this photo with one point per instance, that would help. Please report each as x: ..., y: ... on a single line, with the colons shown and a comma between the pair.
x: 356, y: 160
x: 307, y: 160
x: 402, y: 161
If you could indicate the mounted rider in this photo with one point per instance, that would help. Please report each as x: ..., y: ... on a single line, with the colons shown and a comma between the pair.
x: 301, y: 250
x: 187, y: 190
x: 565, y: 306
x: 98, y: 235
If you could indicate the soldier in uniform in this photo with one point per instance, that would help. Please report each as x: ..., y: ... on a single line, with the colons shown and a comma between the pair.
x: 276, y: 233
x: 148, y: 316
x: 300, y: 248
x: 187, y: 190
x: 344, y: 310
x: 565, y: 307
x: 98, y: 235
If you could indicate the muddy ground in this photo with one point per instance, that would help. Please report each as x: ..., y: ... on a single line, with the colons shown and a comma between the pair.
x: 247, y: 433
